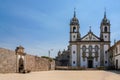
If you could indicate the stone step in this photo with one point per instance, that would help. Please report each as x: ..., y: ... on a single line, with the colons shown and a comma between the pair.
x: 90, y: 69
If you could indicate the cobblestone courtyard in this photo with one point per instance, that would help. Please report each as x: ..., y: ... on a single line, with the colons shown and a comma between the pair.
x: 63, y: 75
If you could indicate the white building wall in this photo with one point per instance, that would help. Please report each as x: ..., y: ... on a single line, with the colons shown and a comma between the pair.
x: 83, y: 63
x: 74, y: 55
x: 106, y: 36
x: 106, y: 55
x: 74, y: 36
x: 117, y: 58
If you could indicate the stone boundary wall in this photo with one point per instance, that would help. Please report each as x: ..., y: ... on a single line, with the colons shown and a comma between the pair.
x: 34, y: 63
x: 8, y: 62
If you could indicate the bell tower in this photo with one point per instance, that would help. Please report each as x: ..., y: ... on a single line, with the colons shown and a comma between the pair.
x: 105, y: 38
x: 74, y: 28
x: 105, y: 29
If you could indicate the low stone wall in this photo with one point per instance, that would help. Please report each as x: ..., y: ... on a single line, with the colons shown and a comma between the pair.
x: 7, y: 61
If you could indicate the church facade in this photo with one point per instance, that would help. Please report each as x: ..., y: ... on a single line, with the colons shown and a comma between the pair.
x: 89, y: 51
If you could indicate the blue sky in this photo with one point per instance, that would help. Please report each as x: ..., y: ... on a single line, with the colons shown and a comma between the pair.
x: 42, y: 25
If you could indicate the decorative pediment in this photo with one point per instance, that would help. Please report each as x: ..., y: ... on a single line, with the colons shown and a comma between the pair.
x: 90, y: 37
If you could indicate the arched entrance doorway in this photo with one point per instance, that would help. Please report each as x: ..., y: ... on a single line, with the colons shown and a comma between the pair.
x: 21, y: 65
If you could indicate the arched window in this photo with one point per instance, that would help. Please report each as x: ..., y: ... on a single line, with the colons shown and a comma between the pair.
x: 96, y: 48
x: 105, y: 29
x: 84, y: 48
x: 90, y: 48
x: 74, y: 29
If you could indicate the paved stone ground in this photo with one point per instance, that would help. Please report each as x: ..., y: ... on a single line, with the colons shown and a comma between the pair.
x: 63, y: 75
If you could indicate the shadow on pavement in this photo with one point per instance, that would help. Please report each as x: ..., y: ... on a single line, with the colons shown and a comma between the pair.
x: 114, y: 71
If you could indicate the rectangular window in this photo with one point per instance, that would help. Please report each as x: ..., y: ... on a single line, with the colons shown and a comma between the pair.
x: 105, y: 36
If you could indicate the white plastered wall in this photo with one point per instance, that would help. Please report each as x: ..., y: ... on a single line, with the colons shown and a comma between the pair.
x: 118, y: 56
x: 106, y: 36
x: 106, y: 54
x: 74, y: 55
x: 74, y: 36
